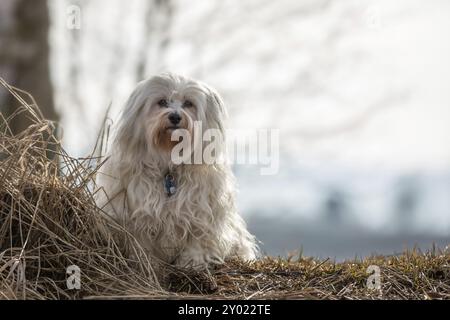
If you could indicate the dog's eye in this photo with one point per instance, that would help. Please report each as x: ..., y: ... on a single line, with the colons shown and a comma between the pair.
x: 188, y: 104
x: 163, y: 103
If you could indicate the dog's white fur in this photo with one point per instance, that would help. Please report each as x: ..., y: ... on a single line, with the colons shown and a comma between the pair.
x: 199, y: 224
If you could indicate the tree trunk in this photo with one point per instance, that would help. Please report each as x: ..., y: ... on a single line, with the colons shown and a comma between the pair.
x: 24, y: 57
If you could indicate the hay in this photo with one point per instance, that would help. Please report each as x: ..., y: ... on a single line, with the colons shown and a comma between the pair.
x: 49, y: 221
x: 412, y: 275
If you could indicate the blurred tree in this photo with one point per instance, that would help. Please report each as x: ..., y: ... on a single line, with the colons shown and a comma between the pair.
x: 335, y: 206
x: 407, y: 199
x: 24, y: 56
x: 156, y: 38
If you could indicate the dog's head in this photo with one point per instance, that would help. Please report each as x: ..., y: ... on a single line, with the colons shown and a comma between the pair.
x: 160, y: 106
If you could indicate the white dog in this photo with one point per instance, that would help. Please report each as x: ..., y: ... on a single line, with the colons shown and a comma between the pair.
x: 183, y: 214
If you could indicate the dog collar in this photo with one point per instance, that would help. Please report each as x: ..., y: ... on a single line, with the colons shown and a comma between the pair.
x: 169, y: 184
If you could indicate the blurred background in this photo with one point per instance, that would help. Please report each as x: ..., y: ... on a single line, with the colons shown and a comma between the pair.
x: 360, y: 91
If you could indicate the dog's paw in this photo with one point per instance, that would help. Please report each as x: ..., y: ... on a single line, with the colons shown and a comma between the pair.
x: 197, y: 258
x: 192, y: 258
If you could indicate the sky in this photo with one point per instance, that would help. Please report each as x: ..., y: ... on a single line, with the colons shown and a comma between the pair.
x: 394, y: 55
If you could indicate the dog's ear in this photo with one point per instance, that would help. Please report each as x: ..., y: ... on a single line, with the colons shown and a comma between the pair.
x: 128, y: 133
x: 216, y: 112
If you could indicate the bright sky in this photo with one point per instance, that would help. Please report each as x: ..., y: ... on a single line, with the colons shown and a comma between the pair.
x: 281, y: 66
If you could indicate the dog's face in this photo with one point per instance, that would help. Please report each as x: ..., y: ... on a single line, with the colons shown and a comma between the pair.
x: 172, y: 106
x: 166, y: 103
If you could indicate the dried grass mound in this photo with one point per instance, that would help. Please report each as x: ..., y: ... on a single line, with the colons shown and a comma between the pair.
x: 49, y: 221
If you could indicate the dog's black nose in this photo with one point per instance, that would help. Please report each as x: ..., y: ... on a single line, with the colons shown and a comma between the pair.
x: 175, y: 118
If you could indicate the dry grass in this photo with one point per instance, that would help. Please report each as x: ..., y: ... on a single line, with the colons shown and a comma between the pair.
x: 49, y: 221
x: 412, y: 275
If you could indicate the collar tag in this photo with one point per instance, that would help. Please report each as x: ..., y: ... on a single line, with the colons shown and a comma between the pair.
x: 169, y: 184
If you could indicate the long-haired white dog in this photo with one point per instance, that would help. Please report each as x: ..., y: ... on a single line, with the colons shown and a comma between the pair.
x: 183, y: 214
